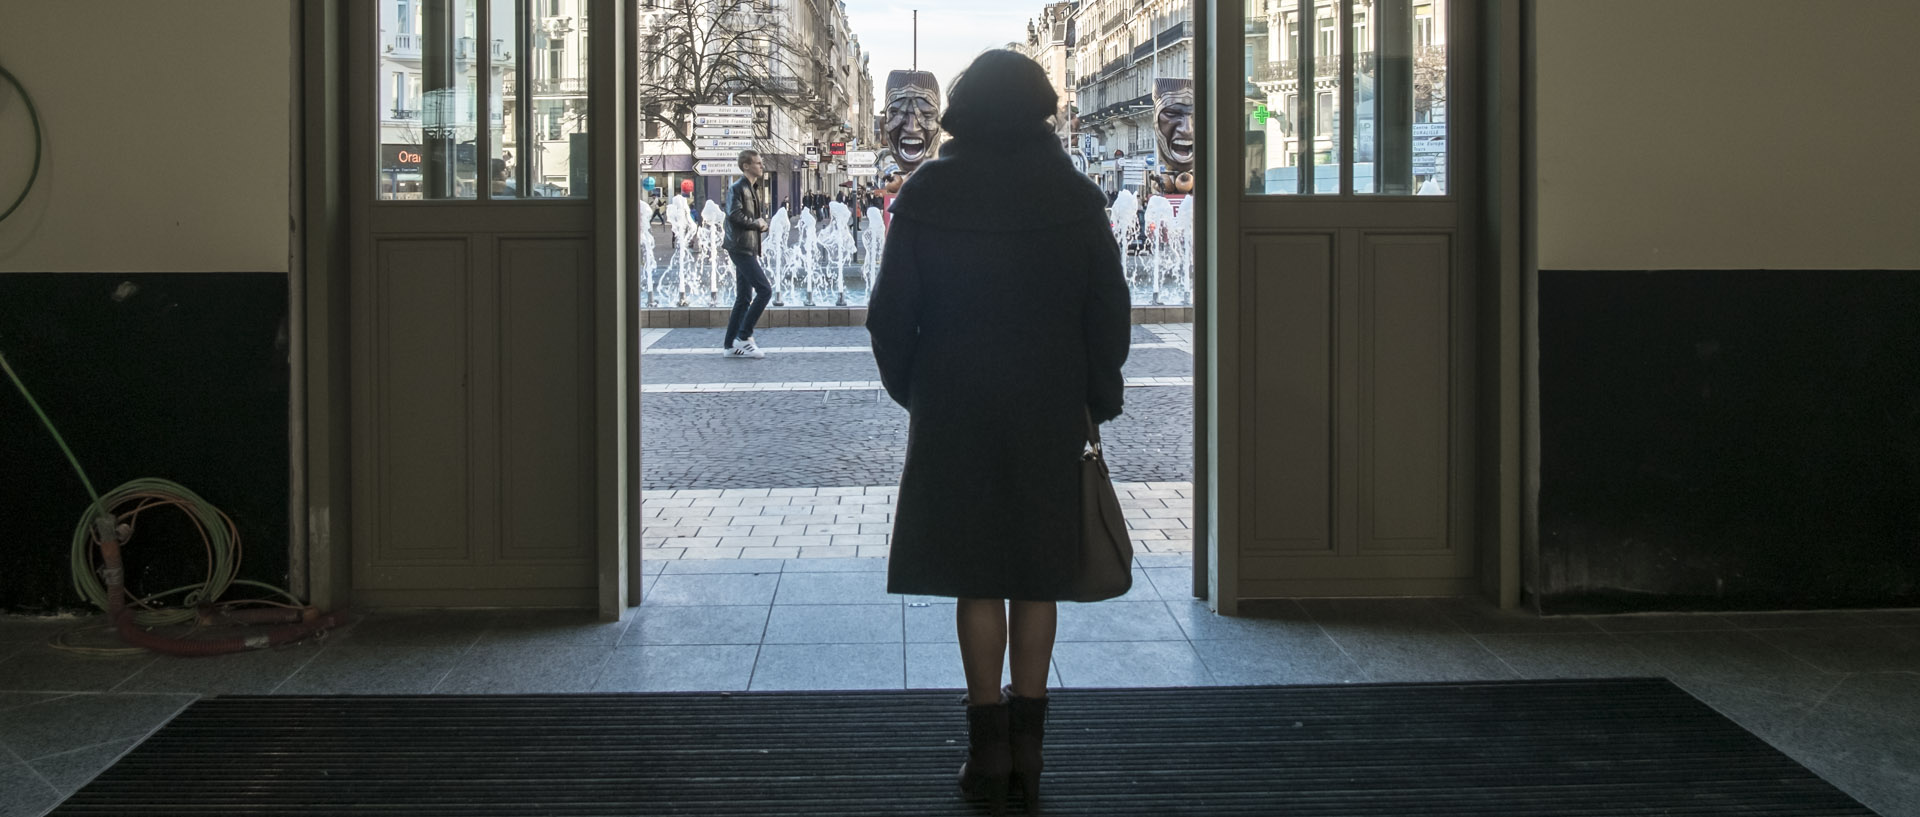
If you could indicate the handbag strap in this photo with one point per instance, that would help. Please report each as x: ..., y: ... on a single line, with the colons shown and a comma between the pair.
x: 1093, y: 432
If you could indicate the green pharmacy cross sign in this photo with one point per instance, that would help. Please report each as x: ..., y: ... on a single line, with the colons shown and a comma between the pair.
x: 1260, y: 114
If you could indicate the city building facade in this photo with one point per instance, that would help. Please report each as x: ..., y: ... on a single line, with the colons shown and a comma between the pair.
x: 814, y: 91
x: 1118, y: 48
x: 1049, y: 42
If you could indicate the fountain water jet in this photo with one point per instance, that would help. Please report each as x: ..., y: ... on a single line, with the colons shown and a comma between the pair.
x: 647, y: 259
x: 838, y: 246
x: 873, y: 238
x: 713, y: 256
x: 680, y: 221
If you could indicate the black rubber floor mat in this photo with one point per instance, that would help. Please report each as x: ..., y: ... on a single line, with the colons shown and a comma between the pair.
x: 1605, y: 747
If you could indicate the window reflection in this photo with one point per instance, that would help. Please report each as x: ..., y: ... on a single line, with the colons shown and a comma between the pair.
x: 439, y: 60
x: 1296, y: 84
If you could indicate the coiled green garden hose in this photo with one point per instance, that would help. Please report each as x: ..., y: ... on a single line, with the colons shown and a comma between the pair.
x: 102, y: 521
x: 34, y: 116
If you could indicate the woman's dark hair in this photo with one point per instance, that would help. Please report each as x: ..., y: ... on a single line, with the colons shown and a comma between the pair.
x: 1001, y: 93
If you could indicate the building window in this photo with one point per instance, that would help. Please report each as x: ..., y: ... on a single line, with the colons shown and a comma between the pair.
x: 1323, y: 117
x: 1329, y: 43
x: 406, y: 17
x: 1423, y: 26
x: 556, y: 59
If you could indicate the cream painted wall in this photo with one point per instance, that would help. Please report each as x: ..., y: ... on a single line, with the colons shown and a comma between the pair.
x: 1728, y: 134
x: 167, y: 128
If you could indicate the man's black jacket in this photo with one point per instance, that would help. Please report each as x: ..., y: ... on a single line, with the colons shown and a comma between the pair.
x: 744, y: 213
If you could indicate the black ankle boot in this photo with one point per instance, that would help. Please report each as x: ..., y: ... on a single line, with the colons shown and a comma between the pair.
x: 989, y: 758
x: 1026, y: 731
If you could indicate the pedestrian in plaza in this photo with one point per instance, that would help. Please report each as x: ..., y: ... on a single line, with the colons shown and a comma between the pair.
x: 746, y: 220
x: 1000, y: 323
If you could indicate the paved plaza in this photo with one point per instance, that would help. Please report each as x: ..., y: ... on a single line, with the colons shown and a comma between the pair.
x: 798, y: 455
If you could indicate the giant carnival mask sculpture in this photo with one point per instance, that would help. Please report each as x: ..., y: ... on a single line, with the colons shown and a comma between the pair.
x: 1173, y: 124
x: 913, y: 117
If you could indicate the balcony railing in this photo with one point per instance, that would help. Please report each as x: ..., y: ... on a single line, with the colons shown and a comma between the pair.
x: 405, y: 45
x: 1325, y: 68
x: 1173, y: 34
x: 1143, y: 50
x: 404, y: 114
x: 568, y: 86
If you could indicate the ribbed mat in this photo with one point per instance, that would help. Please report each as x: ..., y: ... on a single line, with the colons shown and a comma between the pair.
x: 1606, y: 747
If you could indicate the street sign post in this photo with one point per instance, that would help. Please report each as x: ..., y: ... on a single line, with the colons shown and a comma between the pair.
x: 733, y: 143
x: 716, y: 167
x: 723, y: 110
x: 862, y: 163
x: 723, y: 131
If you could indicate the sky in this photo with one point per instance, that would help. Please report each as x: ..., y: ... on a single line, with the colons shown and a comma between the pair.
x: 952, y: 33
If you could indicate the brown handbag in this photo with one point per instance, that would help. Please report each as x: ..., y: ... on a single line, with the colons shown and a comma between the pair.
x: 1106, y: 554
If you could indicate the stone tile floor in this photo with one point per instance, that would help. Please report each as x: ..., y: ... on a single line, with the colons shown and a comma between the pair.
x: 1839, y: 691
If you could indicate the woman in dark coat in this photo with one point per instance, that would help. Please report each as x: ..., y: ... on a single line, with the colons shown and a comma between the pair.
x: 1000, y: 321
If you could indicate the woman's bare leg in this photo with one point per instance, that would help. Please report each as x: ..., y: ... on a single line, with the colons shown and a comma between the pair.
x: 1032, y: 625
x: 982, y: 625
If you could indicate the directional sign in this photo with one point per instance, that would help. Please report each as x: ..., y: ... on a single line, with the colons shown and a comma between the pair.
x: 733, y: 143
x: 1429, y: 130
x: 723, y: 110
x: 716, y: 167
x: 862, y: 158
x: 741, y: 131
x: 723, y: 121
x: 717, y: 155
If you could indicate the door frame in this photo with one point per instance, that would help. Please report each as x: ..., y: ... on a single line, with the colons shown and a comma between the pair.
x: 320, y: 433
x: 1500, y: 351
x: 328, y: 138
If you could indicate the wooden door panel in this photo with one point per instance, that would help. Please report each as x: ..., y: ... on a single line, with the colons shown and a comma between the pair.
x: 1292, y: 309
x: 421, y: 358
x: 1407, y: 291
x: 546, y: 405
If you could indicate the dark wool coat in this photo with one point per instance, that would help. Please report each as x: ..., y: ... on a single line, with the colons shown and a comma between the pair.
x: 1000, y: 316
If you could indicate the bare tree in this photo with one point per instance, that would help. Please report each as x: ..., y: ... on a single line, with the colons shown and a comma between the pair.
x: 696, y: 52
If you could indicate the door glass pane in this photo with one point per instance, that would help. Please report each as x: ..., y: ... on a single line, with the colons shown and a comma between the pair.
x: 557, y: 152
x: 1294, y: 91
x: 1366, y: 62
x: 1292, y: 124
x: 425, y: 104
x: 1400, y: 99
x: 503, y: 118
x: 429, y: 54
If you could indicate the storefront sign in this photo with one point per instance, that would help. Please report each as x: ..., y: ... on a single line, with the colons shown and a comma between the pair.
x: 401, y: 157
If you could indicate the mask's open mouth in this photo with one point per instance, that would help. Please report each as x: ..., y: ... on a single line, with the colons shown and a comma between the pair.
x: 1181, y: 149
x: 912, y: 148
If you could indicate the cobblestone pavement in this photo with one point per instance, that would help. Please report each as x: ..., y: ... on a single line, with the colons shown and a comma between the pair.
x: 785, y: 439
x: 853, y: 521
x: 815, y: 424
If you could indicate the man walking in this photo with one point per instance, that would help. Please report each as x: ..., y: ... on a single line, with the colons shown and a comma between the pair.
x: 746, y: 220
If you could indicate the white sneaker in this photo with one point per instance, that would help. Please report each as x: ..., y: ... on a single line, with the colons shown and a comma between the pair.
x: 752, y: 351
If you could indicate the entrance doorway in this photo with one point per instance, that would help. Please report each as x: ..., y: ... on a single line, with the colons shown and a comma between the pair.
x: 1330, y: 337
x: 789, y: 464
